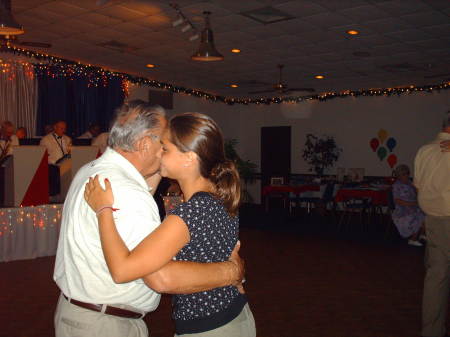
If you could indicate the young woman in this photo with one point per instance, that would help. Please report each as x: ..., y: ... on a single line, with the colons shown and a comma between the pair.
x: 204, y: 228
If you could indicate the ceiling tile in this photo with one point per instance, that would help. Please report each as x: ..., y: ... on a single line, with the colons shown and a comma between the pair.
x: 121, y: 12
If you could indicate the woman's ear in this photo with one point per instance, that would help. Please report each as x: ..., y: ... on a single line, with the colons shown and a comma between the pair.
x: 190, y: 158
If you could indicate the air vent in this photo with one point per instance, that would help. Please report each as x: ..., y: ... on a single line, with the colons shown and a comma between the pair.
x: 267, y: 15
x: 117, y: 46
x: 401, y: 67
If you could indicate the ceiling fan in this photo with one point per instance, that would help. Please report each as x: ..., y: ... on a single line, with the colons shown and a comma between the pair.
x: 281, y: 87
x: 10, y: 29
x: 12, y: 40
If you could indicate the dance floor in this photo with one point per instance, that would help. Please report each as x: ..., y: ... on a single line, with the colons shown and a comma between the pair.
x: 302, y: 281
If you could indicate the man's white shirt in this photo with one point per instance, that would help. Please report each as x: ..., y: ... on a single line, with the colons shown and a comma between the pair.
x: 80, y: 269
x: 56, y: 147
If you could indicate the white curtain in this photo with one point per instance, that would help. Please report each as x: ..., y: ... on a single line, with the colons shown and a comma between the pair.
x: 18, y: 94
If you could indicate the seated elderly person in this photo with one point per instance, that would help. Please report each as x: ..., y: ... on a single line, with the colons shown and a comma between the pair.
x: 407, y: 216
x: 7, y: 139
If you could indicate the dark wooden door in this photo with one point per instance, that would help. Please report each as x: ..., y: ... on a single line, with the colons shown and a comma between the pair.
x: 275, y: 153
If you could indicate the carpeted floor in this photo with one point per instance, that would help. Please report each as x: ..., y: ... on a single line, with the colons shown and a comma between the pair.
x: 303, y: 280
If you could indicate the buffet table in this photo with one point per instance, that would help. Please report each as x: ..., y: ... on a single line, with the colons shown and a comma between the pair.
x: 29, y: 232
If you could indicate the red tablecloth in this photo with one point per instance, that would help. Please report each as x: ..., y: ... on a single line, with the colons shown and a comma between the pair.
x: 379, y: 197
x: 286, y: 189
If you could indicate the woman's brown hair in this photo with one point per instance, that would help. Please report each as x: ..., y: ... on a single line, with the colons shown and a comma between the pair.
x: 200, y: 134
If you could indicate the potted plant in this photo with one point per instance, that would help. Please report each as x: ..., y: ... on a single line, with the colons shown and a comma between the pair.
x: 320, y: 153
x: 246, y: 168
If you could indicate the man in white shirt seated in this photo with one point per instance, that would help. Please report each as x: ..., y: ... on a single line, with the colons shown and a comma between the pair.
x: 57, y: 143
x: 91, y: 303
x: 92, y: 132
x: 7, y: 139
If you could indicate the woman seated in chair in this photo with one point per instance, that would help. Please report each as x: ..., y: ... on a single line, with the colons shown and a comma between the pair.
x: 407, y: 216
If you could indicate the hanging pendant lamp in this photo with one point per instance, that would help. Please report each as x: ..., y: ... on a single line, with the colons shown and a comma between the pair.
x: 207, y: 51
x: 8, y: 26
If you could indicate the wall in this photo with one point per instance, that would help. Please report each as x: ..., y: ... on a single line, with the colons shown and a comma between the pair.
x: 411, y: 119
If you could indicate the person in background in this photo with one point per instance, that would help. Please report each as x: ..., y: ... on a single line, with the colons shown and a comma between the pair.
x: 57, y: 143
x: 8, y: 139
x: 58, y: 147
x: 407, y: 216
x: 204, y: 228
x: 92, y: 132
x: 101, y: 141
x: 21, y: 132
x: 48, y: 129
x: 432, y: 180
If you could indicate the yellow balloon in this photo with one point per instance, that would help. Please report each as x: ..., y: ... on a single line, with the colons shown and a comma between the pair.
x: 382, y: 135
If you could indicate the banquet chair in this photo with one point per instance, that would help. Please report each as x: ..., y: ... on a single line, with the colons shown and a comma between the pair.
x: 353, y: 206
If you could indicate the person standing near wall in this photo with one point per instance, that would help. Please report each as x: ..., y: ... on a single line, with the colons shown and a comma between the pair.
x: 432, y: 179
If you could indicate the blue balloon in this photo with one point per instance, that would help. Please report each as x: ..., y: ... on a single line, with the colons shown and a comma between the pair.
x: 391, y: 144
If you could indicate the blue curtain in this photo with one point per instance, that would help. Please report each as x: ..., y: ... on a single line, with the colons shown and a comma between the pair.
x: 72, y: 100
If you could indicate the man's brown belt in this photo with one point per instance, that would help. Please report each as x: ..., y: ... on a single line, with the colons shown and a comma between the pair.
x: 109, y: 310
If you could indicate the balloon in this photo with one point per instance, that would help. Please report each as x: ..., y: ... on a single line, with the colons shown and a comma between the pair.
x: 374, y: 142
x: 382, y: 135
x: 392, y: 160
x: 391, y: 143
x: 382, y: 152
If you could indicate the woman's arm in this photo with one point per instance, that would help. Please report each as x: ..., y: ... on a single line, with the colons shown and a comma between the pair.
x: 405, y: 203
x: 155, y: 251
x: 182, y: 277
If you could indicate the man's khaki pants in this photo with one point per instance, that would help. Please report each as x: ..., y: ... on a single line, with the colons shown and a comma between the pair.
x: 73, y: 321
x: 436, y: 285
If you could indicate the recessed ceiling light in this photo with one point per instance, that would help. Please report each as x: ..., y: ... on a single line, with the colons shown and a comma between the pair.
x: 319, y: 77
x: 150, y: 65
x: 234, y: 85
x: 352, y: 32
x: 235, y: 50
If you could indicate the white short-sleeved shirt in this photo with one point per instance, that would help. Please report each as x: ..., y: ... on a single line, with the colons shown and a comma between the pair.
x: 80, y: 269
x: 56, y: 147
x: 7, y: 145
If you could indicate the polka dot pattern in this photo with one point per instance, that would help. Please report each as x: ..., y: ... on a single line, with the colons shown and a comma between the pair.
x: 214, y: 234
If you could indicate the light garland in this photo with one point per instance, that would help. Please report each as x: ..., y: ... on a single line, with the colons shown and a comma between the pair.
x: 40, y: 217
x: 59, y: 67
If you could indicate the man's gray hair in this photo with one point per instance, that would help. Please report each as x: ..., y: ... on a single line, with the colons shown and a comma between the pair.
x: 133, y: 120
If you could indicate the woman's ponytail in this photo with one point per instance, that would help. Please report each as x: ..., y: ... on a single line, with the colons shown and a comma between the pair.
x: 226, y: 179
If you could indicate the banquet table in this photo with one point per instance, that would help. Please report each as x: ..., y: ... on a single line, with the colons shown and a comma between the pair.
x: 271, y: 190
x: 29, y: 232
x: 379, y: 197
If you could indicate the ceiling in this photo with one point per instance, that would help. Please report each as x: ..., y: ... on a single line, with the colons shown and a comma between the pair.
x: 402, y: 42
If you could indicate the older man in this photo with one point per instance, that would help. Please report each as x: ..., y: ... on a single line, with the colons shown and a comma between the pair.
x: 7, y: 139
x: 432, y: 179
x: 91, y: 303
x: 57, y: 143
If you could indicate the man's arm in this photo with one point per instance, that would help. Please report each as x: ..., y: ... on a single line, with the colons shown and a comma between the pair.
x: 180, y: 277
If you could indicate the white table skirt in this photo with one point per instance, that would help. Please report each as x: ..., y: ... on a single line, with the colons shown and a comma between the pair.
x: 29, y: 232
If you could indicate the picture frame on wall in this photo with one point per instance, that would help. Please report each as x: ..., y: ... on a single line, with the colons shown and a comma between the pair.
x: 276, y: 181
x: 356, y: 174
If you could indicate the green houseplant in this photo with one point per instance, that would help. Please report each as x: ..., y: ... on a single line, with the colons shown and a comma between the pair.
x: 320, y: 153
x: 246, y: 168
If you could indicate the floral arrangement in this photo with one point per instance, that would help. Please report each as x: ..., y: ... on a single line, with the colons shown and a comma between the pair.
x: 320, y: 153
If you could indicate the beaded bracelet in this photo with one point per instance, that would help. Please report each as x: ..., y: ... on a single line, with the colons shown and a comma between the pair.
x: 101, y: 209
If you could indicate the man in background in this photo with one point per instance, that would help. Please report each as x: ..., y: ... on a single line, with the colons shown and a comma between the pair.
x: 57, y: 143
x: 7, y: 139
x: 92, y: 132
x: 432, y: 179
x: 58, y: 147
